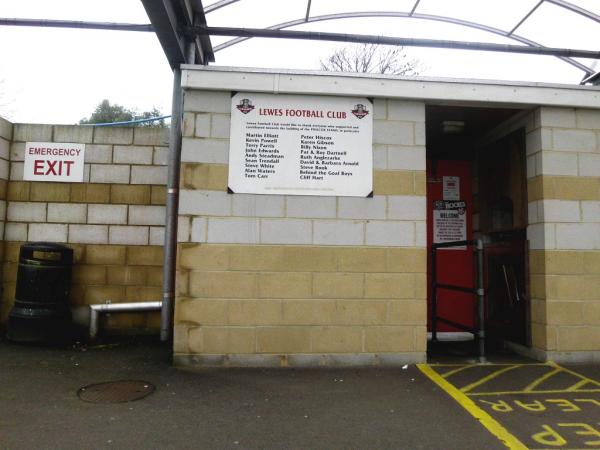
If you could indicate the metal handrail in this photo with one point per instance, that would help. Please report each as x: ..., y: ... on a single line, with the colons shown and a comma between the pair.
x: 479, y: 330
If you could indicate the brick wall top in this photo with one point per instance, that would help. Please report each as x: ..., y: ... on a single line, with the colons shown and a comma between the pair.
x: 5, y: 129
x: 88, y: 134
x: 375, y: 85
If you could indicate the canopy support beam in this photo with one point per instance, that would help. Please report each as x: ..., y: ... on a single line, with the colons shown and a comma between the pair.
x: 77, y: 24
x: 396, y: 41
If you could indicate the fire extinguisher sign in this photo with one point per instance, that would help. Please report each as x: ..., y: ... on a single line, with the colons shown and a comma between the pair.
x: 449, y: 222
x: 51, y: 161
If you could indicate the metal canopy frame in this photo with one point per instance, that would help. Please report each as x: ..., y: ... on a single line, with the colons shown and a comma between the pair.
x: 169, y: 18
x: 247, y: 33
x: 77, y: 24
x: 589, y: 73
x: 181, y: 28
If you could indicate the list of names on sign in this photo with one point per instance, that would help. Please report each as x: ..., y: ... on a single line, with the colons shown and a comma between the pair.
x: 300, y: 145
x: 262, y: 155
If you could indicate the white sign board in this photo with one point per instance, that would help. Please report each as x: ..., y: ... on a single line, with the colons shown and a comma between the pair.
x: 50, y: 161
x: 301, y: 145
x: 449, y: 222
x: 451, y: 188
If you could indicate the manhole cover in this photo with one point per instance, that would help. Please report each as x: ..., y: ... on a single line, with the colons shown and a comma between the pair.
x: 116, y: 391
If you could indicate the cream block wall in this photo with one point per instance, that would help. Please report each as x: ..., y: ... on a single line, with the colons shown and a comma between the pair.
x: 297, y: 280
x: 6, y: 132
x: 120, y: 202
x: 114, y: 220
x: 274, y: 305
x: 266, y: 280
x: 563, y: 148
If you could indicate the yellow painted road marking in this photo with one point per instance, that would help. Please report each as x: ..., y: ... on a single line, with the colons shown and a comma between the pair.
x: 483, y: 417
x: 530, y: 388
x: 548, y: 391
x: 489, y: 364
x: 541, y: 379
x: 578, y: 375
x: 453, y: 371
x: 489, y: 377
x: 577, y: 385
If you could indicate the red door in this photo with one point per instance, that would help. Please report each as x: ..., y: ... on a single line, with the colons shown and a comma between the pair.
x: 449, y: 218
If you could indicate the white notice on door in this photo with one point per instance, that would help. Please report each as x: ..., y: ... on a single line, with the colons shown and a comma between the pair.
x: 449, y: 222
x: 451, y: 188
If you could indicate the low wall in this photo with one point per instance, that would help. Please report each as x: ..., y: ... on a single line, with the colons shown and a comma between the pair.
x: 114, y: 220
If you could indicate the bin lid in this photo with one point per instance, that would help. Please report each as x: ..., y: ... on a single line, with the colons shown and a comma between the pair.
x: 46, y: 253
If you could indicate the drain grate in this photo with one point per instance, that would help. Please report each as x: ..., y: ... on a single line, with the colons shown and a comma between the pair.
x: 116, y: 391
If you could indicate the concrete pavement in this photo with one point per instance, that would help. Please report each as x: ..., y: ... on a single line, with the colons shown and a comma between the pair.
x: 247, y: 408
x: 221, y: 409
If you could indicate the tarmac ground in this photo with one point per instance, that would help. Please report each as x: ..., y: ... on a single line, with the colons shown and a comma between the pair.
x: 448, y: 404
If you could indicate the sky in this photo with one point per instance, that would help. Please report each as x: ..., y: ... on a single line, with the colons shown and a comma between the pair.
x: 50, y: 75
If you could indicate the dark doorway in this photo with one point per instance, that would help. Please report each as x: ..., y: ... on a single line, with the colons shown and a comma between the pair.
x: 481, y: 152
x: 503, y: 224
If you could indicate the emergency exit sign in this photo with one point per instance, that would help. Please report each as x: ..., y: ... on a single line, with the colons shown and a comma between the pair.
x: 52, y: 161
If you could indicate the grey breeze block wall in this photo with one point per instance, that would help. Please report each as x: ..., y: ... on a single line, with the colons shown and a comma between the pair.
x: 114, y: 220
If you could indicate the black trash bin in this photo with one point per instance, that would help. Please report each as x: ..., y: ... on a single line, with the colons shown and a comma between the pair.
x: 41, y: 313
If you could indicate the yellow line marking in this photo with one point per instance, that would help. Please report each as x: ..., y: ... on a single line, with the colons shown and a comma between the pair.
x: 452, y: 372
x: 483, y: 417
x: 541, y: 379
x: 550, y: 391
x: 487, y: 364
x: 485, y: 379
x: 577, y: 385
x: 578, y: 375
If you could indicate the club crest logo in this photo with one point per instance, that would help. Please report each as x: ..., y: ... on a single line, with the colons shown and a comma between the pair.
x: 360, y: 111
x: 245, y: 106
